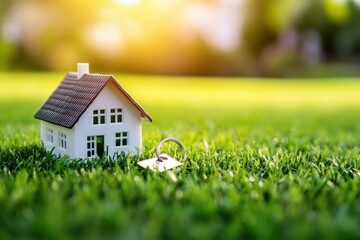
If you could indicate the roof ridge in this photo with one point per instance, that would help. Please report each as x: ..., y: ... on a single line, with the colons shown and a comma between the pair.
x: 95, y: 74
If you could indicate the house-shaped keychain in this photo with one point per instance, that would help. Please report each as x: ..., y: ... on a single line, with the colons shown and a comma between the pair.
x: 89, y: 115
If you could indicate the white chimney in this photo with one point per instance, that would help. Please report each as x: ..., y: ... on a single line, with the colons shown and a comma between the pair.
x: 83, y: 68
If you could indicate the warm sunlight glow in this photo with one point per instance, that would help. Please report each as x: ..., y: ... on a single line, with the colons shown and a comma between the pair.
x: 219, y: 24
x: 105, y: 38
x: 129, y: 3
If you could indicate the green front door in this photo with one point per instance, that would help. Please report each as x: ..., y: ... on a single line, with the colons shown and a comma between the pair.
x: 100, y: 145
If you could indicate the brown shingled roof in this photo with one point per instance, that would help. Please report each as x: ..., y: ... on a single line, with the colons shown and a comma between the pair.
x: 72, y: 97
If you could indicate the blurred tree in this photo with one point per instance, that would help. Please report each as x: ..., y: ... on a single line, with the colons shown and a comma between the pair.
x: 6, y: 48
x: 266, y: 22
x: 256, y: 33
x: 319, y: 29
x: 337, y: 24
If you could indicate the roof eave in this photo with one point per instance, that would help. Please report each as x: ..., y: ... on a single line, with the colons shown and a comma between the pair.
x: 144, y: 114
x: 146, y: 118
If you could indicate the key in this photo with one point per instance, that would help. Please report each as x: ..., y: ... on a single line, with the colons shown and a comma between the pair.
x: 163, y: 162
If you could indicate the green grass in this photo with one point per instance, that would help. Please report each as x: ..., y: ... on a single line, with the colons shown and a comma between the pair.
x: 267, y: 159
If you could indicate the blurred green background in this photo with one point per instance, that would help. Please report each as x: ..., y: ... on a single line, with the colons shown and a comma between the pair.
x: 264, y: 38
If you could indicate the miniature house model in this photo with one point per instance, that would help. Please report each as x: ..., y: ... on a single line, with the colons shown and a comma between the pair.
x: 89, y: 115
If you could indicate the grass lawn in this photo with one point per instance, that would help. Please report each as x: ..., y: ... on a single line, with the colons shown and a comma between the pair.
x: 267, y: 159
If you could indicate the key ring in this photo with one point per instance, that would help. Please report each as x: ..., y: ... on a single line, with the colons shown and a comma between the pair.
x: 170, y: 140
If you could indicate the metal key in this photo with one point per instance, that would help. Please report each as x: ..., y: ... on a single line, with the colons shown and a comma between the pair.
x: 163, y: 162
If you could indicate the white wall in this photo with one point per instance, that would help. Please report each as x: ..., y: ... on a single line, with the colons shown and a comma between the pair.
x: 109, y: 97
x: 70, y: 148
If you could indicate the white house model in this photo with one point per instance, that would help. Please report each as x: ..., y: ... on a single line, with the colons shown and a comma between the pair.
x: 89, y: 115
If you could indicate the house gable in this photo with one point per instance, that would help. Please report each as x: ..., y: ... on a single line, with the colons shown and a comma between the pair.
x: 109, y: 98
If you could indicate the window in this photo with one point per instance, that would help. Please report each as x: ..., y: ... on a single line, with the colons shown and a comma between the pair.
x: 121, y: 139
x: 90, y: 146
x: 49, y: 135
x: 99, y: 116
x: 62, y: 140
x: 116, y: 115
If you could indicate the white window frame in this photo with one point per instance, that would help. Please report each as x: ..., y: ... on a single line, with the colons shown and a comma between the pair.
x: 62, y: 140
x: 90, y: 146
x: 49, y: 135
x: 99, y: 116
x: 116, y: 115
x: 120, y: 137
